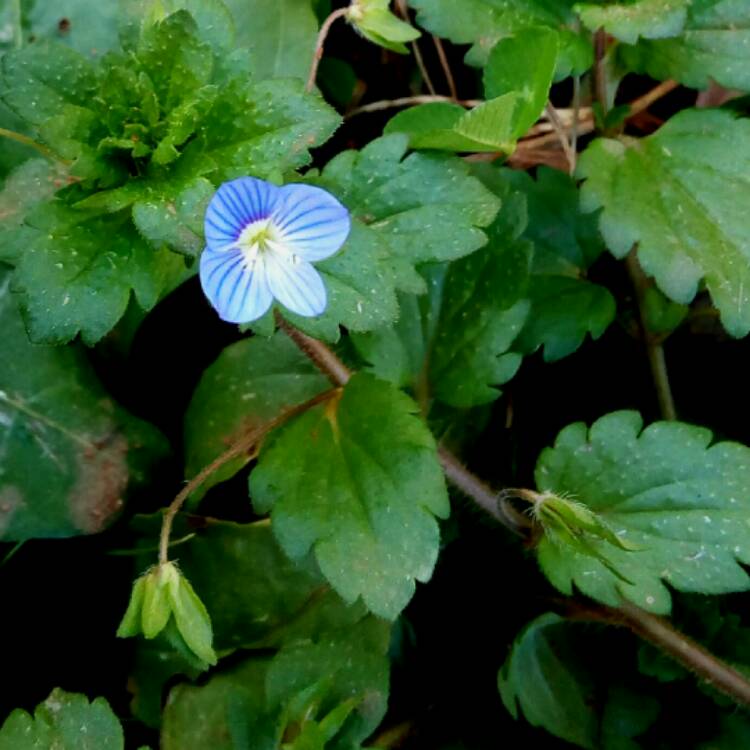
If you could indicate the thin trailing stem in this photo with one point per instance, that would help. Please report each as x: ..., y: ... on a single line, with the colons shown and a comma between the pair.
x: 408, y: 101
x: 562, y: 136
x: 447, y: 72
x: 644, y: 102
x: 654, y: 347
x: 404, y: 13
x: 600, y: 72
x: 242, y: 446
x: 576, y: 117
x: 31, y: 143
x: 320, y: 43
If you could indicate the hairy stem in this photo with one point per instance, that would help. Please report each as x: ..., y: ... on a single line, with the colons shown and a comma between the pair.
x: 600, y: 72
x: 692, y: 656
x: 654, y: 348
x: 403, y: 11
x: 319, y: 44
x: 243, y: 445
x: 483, y: 495
x: 320, y: 355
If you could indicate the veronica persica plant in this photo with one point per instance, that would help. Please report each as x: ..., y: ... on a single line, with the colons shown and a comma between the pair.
x: 261, y: 241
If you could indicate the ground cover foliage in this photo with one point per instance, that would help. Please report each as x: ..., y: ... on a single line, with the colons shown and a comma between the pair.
x: 477, y: 474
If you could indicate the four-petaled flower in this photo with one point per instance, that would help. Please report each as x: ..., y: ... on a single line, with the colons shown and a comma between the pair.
x: 261, y: 241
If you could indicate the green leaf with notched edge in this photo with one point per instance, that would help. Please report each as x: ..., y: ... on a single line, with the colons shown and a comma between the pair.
x: 251, y: 382
x: 678, y: 501
x: 65, y: 721
x: 452, y: 343
x: 627, y: 21
x: 405, y: 211
x: 482, y: 23
x: 280, y: 35
x: 357, y: 480
x: 680, y: 195
x: 67, y: 452
x: 76, y: 275
x: 712, y: 46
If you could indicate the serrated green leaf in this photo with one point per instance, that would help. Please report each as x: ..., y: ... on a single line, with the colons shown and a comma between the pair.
x: 712, y: 46
x: 678, y: 194
x: 405, y: 211
x: 452, y: 344
x: 30, y: 184
x: 66, y: 721
x: 280, y: 36
x: 627, y: 21
x: 251, y: 382
x: 68, y: 452
x: 668, y: 492
x: 77, y: 276
x: 482, y: 23
x: 357, y: 481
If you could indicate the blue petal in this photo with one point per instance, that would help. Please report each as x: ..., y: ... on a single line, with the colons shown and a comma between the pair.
x: 235, y: 205
x: 238, y: 293
x: 295, y: 283
x: 312, y: 223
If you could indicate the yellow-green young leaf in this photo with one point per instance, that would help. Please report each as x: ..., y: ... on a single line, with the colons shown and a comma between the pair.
x: 650, y: 19
x: 524, y: 62
x: 678, y: 195
x: 357, y: 481
x: 131, y: 621
x: 192, y: 618
x: 65, y: 721
x: 376, y: 23
x: 712, y: 46
x: 679, y: 504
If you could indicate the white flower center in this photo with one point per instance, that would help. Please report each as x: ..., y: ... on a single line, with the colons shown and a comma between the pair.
x: 260, y: 237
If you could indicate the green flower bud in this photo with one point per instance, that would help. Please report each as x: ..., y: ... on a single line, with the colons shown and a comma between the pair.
x: 376, y: 23
x: 162, y: 596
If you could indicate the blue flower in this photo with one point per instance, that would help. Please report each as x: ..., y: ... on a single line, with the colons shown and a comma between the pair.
x: 261, y: 241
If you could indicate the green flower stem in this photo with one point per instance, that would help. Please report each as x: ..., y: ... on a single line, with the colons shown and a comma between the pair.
x: 31, y: 143
x: 407, y: 101
x: 318, y: 54
x: 242, y: 446
x: 654, y: 347
x: 653, y: 629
